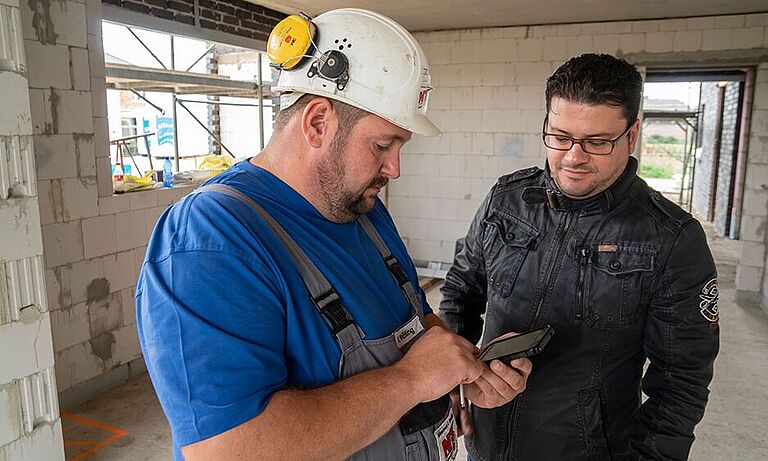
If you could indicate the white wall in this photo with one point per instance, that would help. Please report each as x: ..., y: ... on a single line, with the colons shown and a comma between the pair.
x: 93, y: 241
x: 30, y: 428
x: 489, y: 102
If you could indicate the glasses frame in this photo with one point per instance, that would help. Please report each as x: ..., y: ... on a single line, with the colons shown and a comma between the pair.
x: 580, y: 141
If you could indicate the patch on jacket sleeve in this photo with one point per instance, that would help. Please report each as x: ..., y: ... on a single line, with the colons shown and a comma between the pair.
x: 708, y: 304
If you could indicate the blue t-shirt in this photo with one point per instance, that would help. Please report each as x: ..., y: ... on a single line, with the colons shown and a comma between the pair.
x: 225, y: 319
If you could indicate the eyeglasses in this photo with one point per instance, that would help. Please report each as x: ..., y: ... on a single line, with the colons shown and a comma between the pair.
x: 592, y: 146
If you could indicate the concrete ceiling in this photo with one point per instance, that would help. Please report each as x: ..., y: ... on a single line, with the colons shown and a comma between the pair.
x: 462, y: 14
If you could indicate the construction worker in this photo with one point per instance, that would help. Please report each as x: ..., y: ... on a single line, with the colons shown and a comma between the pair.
x: 279, y: 313
x: 621, y: 273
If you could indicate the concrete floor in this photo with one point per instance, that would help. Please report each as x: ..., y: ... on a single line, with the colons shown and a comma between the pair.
x: 127, y: 423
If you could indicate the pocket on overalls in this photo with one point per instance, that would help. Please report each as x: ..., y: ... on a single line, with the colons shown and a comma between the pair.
x: 424, y: 415
x: 430, y: 431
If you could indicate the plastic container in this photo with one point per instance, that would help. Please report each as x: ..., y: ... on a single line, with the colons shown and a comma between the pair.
x: 117, y: 174
x: 167, y: 173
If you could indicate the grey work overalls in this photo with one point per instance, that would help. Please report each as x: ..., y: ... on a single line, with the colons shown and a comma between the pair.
x: 426, y: 433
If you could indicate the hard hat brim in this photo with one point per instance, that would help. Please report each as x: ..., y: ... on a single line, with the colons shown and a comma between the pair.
x: 421, y: 124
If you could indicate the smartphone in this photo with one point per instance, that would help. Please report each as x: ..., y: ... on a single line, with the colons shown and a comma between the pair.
x: 514, y: 346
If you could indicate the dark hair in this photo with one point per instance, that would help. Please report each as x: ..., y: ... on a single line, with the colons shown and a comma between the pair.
x: 348, y: 115
x: 598, y: 79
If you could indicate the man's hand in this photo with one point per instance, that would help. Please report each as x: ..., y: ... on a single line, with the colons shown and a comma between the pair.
x: 499, y: 383
x: 438, y: 362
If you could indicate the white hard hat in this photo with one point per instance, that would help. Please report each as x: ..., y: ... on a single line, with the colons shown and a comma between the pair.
x: 386, y: 71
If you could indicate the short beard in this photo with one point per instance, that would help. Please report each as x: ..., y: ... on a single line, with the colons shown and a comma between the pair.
x: 343, y: 206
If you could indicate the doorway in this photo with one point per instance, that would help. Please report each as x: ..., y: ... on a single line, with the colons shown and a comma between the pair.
x: 691, y: 142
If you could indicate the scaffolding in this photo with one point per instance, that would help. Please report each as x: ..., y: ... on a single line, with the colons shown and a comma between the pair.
x: 688, y: 122
x: 137, y: 79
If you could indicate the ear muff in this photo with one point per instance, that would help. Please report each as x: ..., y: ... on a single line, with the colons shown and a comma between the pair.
x: 290, y: 41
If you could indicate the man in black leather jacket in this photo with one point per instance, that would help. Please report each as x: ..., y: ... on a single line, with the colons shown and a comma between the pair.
x: 621, y: 273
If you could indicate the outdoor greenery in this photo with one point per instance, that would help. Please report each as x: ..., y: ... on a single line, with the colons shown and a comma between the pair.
x: 660, y: 139
x: 655, y: 171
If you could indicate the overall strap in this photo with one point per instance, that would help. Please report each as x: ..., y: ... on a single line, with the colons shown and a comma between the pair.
x: 323, y: 295
x: 394, y: 267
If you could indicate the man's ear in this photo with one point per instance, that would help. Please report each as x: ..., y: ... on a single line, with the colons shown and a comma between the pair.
x: 318, y: 122
x: 634, y: 135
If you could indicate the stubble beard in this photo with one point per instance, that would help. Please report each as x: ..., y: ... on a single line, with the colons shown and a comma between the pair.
x: 342, y: 206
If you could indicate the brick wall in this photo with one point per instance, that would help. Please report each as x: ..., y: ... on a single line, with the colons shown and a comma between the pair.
x: 489, y: 101
x: 30, y: 428
x: 235, y: 17
x: 727, y: 156
x: 704, y: 154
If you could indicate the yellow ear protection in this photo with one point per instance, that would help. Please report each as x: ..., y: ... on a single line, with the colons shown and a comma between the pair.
x: 292, y: 41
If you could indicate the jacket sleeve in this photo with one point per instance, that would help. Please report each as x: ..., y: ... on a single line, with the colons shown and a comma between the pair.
x: 464, y: 291
x: 681, y: 343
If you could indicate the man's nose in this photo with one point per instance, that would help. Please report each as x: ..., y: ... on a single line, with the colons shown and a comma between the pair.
x: 576, y: 154
x: 390, y: 166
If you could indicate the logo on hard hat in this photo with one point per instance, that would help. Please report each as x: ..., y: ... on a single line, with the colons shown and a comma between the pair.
x: 426, y: 87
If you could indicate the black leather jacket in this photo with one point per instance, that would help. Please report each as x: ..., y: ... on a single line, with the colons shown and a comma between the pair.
x: 622, y: 277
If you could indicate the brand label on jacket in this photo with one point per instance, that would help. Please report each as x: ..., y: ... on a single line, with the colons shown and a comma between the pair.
x: 708, y: 304
x: 447, y: 442
x: 408, y: 331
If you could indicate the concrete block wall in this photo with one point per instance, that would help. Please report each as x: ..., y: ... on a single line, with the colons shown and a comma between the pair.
x: 750, y: 273
x: 30, y: 428
x: 93, y: 241
x: 489, y: 102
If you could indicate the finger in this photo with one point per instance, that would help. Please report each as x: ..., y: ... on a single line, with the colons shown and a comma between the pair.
x: 505, y: 380
x: 486, y: 392
x: 523, y: 366
x: 511, y: 376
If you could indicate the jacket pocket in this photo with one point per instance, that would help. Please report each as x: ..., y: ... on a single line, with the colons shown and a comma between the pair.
x: 591, y: 421
x: 613, y: 282
x: 506, y: 243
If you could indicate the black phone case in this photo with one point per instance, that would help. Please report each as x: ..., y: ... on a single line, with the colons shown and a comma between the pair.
x: 548, y: 333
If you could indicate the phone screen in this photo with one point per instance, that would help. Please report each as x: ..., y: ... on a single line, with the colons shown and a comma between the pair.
x: 509, y: 345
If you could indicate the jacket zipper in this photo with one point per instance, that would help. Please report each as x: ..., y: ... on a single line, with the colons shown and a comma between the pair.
x: 511, y: 417
x: 583, y: 254
x: 558, y: 246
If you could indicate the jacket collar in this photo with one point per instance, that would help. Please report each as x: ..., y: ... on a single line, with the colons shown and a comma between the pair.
x: 601, y: 203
